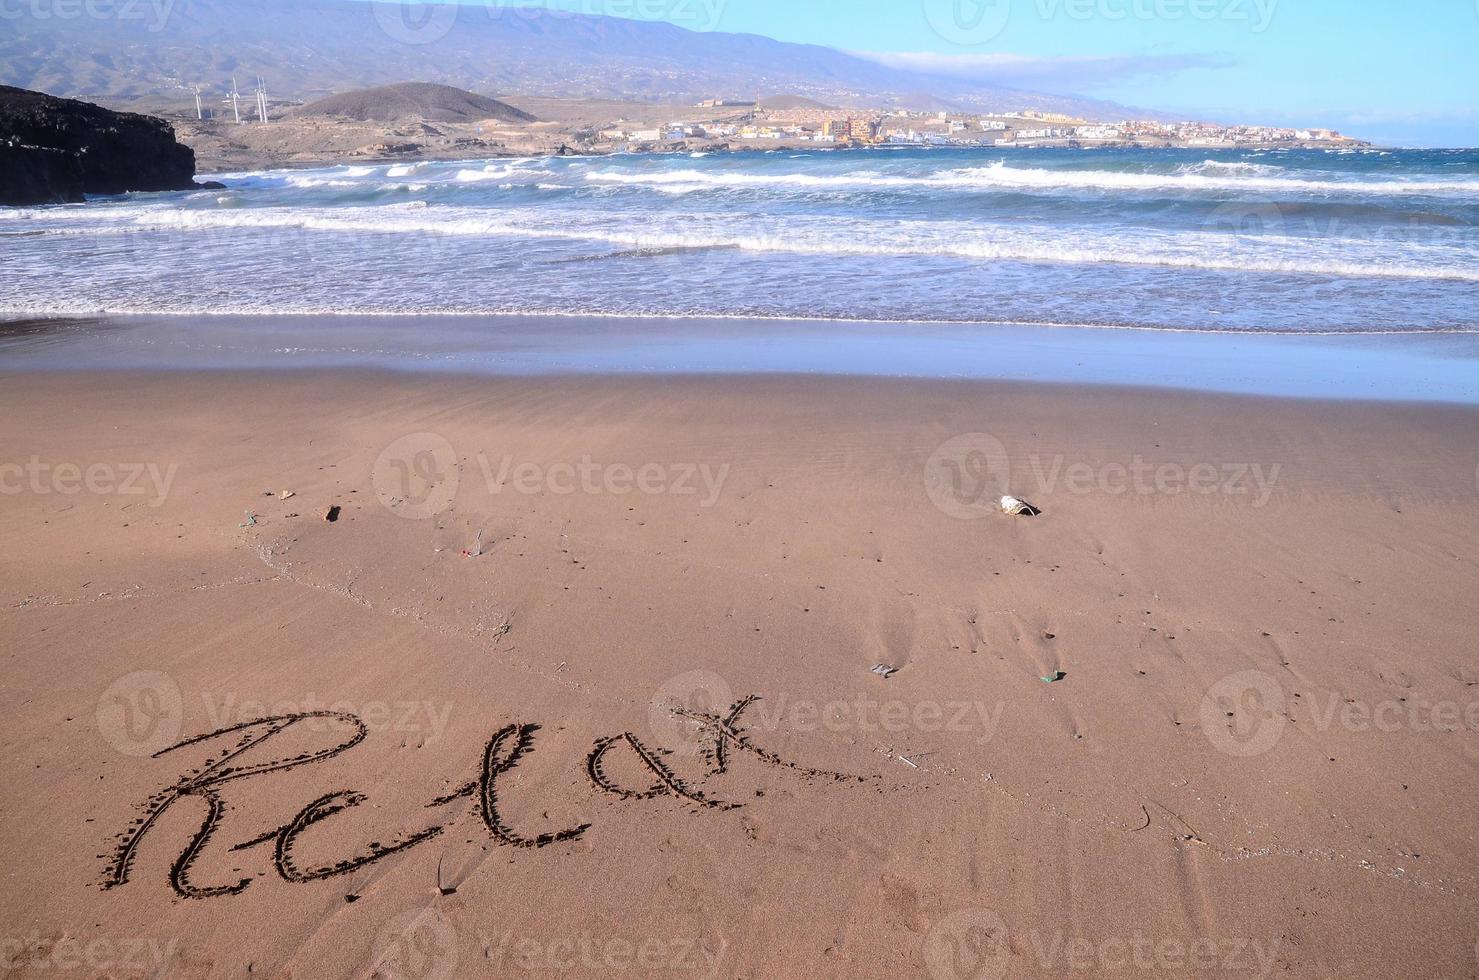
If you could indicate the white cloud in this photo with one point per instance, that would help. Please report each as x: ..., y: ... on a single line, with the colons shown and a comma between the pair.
x: 1062, y: 73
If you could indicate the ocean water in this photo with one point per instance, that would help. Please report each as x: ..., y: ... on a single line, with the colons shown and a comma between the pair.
x: 1271, y: 241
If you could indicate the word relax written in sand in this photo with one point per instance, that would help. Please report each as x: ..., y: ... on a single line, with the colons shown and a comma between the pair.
x: 232, y: 763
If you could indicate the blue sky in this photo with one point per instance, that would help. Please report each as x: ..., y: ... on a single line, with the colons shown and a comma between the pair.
x: 1401, y: 71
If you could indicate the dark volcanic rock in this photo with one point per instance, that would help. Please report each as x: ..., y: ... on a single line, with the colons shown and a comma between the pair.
x: 56, y: 150
x: 35, y: 175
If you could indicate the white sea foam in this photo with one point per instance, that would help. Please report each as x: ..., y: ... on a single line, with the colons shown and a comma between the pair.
x: 283, y: 241
x: 501, y: 174
x: 321, y: 182
x: 850, y: 237
x: 191, y: 305
x: 1231, y: 168
x: 1001, y: 175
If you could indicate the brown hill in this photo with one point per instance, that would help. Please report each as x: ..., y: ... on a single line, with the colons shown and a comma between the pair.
x: 439, y: 103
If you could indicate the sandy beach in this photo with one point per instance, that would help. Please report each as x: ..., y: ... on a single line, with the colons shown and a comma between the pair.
x: 740, y: 491
x: 580, y: 680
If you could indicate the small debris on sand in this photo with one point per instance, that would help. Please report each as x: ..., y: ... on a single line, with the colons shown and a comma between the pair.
x: 1018, y: 508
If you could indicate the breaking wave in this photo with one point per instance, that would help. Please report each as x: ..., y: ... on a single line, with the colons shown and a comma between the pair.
x: 1297, y: 241
x: 1001, y: 175
x: 963, y: 240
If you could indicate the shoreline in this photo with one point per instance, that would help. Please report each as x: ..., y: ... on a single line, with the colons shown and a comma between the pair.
x: 1397, y: 366
x: 40, y: 320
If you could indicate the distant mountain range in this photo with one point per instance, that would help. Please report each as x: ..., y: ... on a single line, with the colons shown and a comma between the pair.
x: 304, y: 49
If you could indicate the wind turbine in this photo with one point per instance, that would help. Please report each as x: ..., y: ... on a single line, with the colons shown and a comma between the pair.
x: 199, y: 113
x: 235, y: 99
x: 261, y: 99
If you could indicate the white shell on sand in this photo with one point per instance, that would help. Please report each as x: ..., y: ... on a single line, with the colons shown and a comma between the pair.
x: 1011, y: 505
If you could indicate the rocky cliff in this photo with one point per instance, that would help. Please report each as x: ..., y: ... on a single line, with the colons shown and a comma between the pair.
x: 57, y: 150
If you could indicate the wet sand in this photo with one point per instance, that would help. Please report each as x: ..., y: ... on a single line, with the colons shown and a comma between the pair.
x: 1213, y: 713
x: 1394, y: 366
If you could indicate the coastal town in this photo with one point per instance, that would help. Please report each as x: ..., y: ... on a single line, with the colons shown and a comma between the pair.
x: 787, y: 121
x: 421, y: 121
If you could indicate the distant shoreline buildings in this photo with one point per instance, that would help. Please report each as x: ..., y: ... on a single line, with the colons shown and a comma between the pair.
x: 894, y: 127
